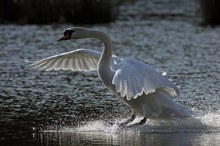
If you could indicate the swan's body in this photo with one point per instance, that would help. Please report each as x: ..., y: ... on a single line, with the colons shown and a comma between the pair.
x: 135, y: 83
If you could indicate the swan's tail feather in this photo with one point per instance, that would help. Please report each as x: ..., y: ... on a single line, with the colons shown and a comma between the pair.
x: 174, y: 109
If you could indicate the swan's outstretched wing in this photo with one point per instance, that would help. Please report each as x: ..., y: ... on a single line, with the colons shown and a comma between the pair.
x: 77, y: 60
x: 133, y: 78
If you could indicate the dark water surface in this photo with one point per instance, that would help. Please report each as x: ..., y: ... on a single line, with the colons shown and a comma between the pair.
x: 70, y: 108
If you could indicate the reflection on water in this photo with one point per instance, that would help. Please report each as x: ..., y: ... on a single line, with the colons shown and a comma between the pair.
x: 126, y: 139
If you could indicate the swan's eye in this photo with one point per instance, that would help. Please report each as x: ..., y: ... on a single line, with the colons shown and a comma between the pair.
x: 68, y: 32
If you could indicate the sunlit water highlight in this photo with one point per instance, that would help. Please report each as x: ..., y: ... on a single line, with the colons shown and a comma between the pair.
x: 192, y: 131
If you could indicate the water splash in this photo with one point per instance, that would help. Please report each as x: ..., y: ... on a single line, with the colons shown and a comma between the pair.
x: 211, y: 119
x: 201, y: 130
x: 200, y: 124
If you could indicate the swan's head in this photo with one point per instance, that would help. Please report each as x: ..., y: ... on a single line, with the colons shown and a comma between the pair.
x: 74, y: 33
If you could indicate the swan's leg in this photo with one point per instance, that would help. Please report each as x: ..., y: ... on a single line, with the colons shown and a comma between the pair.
x: 142, y: 122
x: 123, y: 124
x: 146, y: 114
x: 133, y: 116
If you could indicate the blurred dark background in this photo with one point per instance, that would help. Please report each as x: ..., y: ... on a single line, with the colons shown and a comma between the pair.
x: 57, y: 11
x: 210, y: 10
x: 83, y: 11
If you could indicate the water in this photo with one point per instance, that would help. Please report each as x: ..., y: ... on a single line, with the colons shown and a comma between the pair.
x: 97, y: 133
x: 66, y: 108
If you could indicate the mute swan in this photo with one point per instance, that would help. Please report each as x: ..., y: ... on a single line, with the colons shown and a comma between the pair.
x: 140, y: 87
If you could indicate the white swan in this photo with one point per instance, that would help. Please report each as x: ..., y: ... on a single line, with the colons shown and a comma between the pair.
x: 140, y: 87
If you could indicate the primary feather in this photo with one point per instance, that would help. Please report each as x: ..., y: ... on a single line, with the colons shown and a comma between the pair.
x: 77, y: 60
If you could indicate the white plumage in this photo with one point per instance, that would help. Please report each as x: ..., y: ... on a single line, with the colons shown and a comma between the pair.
x: 78, y: 60
x: 143, y: 89
x: 133, y: 78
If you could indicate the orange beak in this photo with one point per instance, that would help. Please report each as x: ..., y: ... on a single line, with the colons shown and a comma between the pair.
x: 64, y: 37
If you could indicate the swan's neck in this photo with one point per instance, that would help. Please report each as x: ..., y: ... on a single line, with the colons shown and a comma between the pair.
x: 104, y: 64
